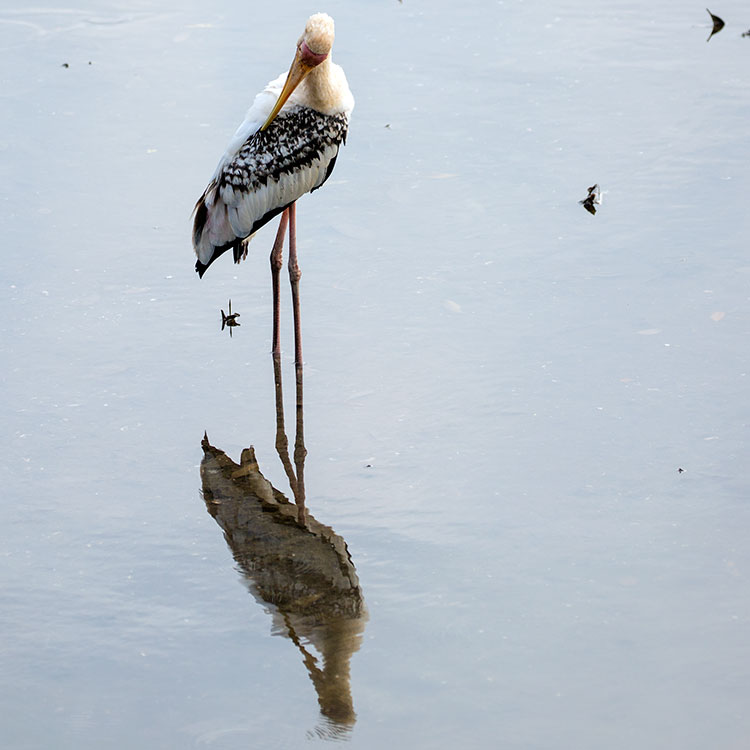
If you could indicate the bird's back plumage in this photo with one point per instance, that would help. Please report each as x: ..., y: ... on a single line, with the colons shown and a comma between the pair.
x: 271, y: 170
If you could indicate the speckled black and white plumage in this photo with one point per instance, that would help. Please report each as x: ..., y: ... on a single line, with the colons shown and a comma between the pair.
x: 273, y: 168
x: 299, y: 142
x: 263, y: 171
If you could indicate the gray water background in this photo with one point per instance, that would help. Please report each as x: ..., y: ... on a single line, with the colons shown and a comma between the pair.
x: 501, y: 389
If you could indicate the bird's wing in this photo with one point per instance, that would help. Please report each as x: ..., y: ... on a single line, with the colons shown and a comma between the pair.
x: 254, y: 119
x: 268, y: 171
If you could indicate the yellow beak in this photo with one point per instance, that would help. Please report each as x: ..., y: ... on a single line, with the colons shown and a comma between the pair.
x: 297, y: 72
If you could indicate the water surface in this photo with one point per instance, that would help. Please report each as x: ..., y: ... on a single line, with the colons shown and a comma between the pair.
x: 527, y: 423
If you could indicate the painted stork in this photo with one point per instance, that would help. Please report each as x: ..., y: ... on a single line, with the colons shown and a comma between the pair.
x: 286, y: 147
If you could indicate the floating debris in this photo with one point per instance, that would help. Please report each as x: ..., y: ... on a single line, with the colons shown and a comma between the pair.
x: 229, y: 320
x: 718, y: 24
x: 593, y: 199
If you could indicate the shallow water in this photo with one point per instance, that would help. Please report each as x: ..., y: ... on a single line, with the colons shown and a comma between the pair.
x: 500, y: 388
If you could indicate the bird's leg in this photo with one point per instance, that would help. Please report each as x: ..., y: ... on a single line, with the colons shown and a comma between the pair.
x: 300, y: 452
x: 277, y: 261
x: 294, y: 277
x: 299, y: 441
x: 282, y: 444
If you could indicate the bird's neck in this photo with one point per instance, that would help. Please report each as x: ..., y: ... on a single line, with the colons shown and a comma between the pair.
x: 319, y: 87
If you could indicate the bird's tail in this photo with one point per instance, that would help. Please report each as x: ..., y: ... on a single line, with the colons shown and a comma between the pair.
x: 212, y: 230
x: 210, y: 223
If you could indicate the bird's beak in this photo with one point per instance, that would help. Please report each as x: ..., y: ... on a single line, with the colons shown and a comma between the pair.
x: 297, y: 72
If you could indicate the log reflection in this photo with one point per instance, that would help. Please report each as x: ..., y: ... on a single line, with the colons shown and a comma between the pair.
x: 296, y: 567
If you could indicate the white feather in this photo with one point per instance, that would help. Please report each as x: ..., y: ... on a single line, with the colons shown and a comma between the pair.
x: 254, y: 119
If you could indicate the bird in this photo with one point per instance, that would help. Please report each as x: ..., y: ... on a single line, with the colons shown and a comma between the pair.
x: 718, y: 24
x: 286, y: 146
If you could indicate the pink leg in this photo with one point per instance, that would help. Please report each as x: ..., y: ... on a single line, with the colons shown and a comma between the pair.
x: 294, y: 277
x: 300, y: 452
x: 282, y: 444
x: 277, y: 260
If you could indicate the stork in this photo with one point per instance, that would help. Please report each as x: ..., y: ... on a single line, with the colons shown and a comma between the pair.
x: 286, y: 146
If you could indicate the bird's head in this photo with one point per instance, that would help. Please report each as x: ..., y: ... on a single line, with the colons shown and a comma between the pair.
x: 313, y: 48
x: 318, y: 35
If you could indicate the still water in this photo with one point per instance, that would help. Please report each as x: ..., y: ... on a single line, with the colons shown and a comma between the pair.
x: 525, y: 424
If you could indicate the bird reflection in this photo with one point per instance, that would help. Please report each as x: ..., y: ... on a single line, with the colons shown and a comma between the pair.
x: 718, y: 24
x: 297, y: 568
